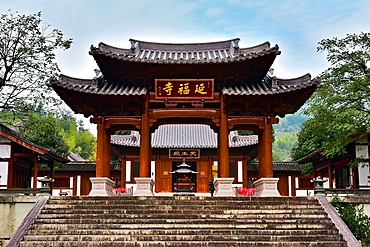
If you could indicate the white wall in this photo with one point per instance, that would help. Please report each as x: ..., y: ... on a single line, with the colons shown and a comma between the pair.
x: 362, y: 151
x: 3, y: 173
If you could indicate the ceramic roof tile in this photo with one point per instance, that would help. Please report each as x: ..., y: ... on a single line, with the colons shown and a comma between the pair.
x: 267, y: 86
x: 213, y: 52
x: 184, y: 136
x: 92, y: 86
x: 277, y: 166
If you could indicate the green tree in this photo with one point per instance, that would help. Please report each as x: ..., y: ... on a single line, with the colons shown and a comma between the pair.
x: 79, y: 139
x: 355, y: 218
x: 340, y: 108
x: 282, y: 146
x: 46, y: 132
x: 27, y: 59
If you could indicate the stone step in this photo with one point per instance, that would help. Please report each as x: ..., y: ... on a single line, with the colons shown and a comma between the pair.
x: 182, y: 221
x: 138, y: 210
x: 184, y: 244
x: 179, y: 220
x: 181, y: 207
x: 203, y: 215
x: 182, y: 238
x: 182, y: 201
x: 231, y: 225
x: 156, y: 231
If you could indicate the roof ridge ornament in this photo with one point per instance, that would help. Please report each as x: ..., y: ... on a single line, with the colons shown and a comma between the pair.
x: 134, y: 45
x: 235, y: 45
x: 274, y: 82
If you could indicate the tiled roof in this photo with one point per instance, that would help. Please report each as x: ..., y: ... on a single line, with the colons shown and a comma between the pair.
x: 313, y: 156
x: 184, y: 136
x: 75, y: 157
x: 253, y: 167
x: 213, y: 52
x: 96, y: 86
x: 42, y: 151
x: 272, y: 85
x: 86, y: 166
x: 277, y: 166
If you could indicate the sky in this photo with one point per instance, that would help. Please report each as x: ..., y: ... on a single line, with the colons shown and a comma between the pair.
x: 296, y: 26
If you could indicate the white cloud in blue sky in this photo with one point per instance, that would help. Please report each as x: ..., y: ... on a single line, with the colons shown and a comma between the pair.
x: 295, y: 25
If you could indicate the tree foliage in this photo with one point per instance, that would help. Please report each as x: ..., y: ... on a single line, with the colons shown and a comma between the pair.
x: 340, y: 108
x: 46, y: 132
x: 355, y: 218
x: 286, y: 135
x: 27, y: 58
x: 79, y: 139
x: 59, y: 131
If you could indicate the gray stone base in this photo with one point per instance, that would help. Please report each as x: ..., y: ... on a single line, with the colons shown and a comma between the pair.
x: 144, y: 187
x: 101, y: 187
x: 224, y: 187
x: 267, y: 187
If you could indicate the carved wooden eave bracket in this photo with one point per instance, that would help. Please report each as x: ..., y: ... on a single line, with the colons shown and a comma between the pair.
x: 259, y: 121
x: 170, y: 104
x: 112, y: 121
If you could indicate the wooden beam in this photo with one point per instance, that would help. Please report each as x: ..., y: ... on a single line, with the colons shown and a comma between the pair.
x: 109, y: 121
x: 216, y: 99
x: 184, y: 113
x: 24, y: 155
x: 260, y: 121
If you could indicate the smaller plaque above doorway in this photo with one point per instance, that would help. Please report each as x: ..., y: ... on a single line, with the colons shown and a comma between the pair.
x: 184, y: 153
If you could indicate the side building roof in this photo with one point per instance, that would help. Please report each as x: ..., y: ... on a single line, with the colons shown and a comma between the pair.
x: 16, y: 137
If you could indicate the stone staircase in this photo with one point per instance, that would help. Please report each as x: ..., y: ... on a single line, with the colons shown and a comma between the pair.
x: 182, y: 221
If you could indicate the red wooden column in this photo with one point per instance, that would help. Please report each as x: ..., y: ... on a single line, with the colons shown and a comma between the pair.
x: 292, y: 178
x: 10, y: 182
x: 123, y: 172
x: 35, y: 171
x: 245, y: 171
x: 355, y: 179
x: 265, y: 151
x: 74, y: 188
x: 102, y: 151
x: 145, y: 142
x: 51, y: 175
x: 330, y: 174
x: 223, y: 145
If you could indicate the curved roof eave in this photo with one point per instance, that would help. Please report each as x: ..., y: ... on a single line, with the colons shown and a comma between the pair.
x: 213, y: 52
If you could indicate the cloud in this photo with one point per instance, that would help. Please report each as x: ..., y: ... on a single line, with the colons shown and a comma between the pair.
x: 213, y: 12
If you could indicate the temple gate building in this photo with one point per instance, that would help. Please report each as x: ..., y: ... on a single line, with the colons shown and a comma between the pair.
x: 217, y: 84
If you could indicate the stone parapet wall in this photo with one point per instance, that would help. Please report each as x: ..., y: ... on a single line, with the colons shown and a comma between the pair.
x: 13, y: 209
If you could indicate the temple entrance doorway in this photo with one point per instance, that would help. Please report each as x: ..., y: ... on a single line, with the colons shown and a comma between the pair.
x: 184, y: 181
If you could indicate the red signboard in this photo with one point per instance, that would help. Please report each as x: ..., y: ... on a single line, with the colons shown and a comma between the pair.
x: 184, y: 88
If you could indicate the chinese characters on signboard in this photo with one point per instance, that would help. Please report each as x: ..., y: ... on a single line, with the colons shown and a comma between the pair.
x: 184, y: 88
x: 184, y: 153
